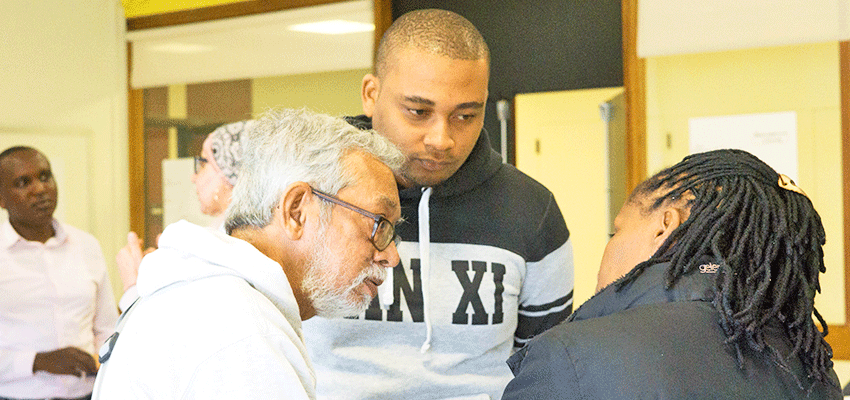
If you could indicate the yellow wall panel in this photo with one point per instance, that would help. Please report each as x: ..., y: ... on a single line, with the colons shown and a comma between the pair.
x: 572, y: 163
x: 334, y: 93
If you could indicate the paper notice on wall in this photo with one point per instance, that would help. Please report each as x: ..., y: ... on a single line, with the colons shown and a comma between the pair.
x: 179, y: 198
x: 772, y: 137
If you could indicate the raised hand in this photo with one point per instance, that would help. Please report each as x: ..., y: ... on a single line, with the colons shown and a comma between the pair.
x: 129, y: 258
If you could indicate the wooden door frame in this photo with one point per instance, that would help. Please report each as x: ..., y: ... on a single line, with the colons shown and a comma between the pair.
x: 136, y: 151
x: 839, y: 335
x: 634, y: 94
x: 223, y: 11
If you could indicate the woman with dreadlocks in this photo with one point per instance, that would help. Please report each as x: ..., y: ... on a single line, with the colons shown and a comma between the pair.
x: 705, y: 291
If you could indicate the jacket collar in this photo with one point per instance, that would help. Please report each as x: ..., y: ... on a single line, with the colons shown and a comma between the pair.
x: 648, y: 288
x: 483, y: 162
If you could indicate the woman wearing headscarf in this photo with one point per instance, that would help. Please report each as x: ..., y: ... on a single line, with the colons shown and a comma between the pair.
x: 215, y: 174
x: 217, y: 168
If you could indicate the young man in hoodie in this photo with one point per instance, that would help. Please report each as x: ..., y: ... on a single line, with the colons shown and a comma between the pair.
x: 311, y: 227
x: 486, y: 261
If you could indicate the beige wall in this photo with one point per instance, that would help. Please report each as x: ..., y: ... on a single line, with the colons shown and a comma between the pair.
x: 573, y: 164
x: 803, y: 79
x: 842, y: 369
x: 334, y: 93
x: 64, y: 89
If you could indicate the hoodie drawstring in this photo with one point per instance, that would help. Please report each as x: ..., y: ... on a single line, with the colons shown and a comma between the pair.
x: 425, y: 261
x: 386, y: 297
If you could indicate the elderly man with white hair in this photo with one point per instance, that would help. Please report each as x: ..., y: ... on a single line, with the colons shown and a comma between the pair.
x: 312, y: 230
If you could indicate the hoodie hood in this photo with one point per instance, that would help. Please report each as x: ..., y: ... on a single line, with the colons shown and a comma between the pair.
x: 203, y: 253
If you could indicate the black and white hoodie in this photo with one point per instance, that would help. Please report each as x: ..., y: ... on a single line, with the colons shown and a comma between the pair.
x: 486, y: 264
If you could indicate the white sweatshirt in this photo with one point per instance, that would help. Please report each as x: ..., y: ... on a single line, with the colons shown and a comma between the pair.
x: 216, y: 319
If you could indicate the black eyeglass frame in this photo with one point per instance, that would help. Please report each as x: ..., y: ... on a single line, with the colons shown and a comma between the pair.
x: 199, y: 163
x: 375, y: 217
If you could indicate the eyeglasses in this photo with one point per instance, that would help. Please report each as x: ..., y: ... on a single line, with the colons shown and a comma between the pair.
x: 383, y: 232
x: 199, y: 163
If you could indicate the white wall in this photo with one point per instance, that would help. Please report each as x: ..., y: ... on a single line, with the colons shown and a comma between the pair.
x: 64, y: 81
x: 667, y: 27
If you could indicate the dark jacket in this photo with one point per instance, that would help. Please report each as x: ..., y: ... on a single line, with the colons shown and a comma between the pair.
x: 645, y: 342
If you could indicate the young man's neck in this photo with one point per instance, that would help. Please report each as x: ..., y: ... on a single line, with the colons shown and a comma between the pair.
x: 36, y: 233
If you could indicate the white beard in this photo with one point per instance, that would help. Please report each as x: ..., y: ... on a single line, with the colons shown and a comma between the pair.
x: 328, y: 300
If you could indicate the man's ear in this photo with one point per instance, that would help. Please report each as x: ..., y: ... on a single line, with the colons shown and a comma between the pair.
x: 292, y: 211
x: 369, y: 93
x: 668, y: 219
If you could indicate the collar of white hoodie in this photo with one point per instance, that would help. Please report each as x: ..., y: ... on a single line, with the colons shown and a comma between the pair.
x: 188, y: 252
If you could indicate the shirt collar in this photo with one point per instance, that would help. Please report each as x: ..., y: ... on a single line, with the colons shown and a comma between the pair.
x: 9, y: 236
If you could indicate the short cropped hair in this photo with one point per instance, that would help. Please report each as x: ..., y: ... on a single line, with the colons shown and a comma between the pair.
x: 287, y: 146
x: 14, y: 149
x: 434, y: 31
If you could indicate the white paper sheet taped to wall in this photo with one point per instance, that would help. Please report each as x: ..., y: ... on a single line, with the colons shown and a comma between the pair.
x: 179, y: 198
x: 772, y: 137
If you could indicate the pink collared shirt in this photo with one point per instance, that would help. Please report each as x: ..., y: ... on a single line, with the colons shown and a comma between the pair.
x: 52, y: 295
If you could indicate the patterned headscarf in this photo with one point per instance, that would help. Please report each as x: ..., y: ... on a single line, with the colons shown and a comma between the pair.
x: 226, y: 144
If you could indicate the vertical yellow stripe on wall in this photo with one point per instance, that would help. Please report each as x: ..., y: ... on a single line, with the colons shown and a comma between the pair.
x: 177, y: 109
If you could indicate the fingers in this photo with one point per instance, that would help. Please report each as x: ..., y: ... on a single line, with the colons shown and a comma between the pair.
x: 86, y: 363
x: 134, y: 244
x: 128, y: 259
x: 66, y: 361
x: 82, y: 362
x: 79, y: 362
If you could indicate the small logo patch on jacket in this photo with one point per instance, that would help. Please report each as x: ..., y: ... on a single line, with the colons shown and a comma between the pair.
x: 709, y: 268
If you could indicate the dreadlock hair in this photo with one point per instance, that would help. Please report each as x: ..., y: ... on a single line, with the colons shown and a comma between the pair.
x: 767, y: 241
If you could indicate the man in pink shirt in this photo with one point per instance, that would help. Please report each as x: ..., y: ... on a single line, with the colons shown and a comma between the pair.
x: 57, y: 305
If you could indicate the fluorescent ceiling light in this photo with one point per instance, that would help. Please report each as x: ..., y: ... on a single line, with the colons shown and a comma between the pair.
x: 180, y: 48
x: 333, y: 27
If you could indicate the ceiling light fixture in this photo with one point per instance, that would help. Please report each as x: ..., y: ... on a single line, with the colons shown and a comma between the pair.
x: 333, y: 27
x: 180, y: 48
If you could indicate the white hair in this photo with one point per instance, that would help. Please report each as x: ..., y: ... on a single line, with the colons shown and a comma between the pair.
x: 287, y: 146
